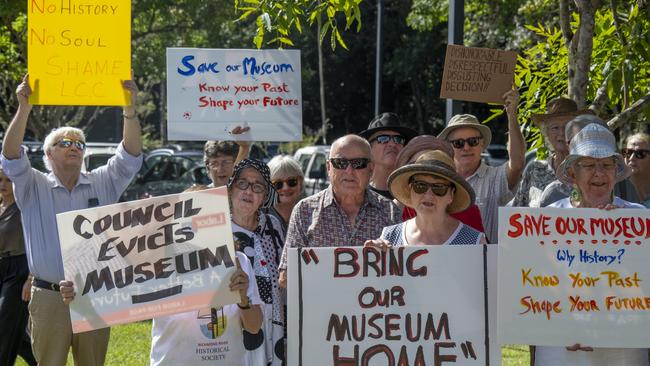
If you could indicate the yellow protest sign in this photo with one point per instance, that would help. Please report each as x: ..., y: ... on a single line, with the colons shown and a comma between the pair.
x: 79, y: 51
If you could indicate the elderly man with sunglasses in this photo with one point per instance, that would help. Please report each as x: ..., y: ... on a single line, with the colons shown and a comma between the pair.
x: 347, y: 213
x: 66, y: 188
x: 494, y: 186
x: 387, y: 137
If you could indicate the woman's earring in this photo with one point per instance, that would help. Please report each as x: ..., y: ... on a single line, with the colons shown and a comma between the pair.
x: 576, y: 194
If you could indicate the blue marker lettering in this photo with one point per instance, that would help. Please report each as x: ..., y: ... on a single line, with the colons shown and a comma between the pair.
x: 186, y: 61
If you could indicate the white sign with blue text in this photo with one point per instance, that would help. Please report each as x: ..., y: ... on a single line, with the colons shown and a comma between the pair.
x: 212, y: 91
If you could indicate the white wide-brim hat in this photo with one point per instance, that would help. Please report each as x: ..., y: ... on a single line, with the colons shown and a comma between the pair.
x: 593, y: 141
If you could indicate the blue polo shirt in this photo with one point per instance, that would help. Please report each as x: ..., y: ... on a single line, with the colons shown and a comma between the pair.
x: 41, y: 196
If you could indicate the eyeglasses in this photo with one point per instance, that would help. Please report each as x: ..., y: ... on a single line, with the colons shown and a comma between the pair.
x: 278, y: 184
x: 439, y: 189
x: 384, y: 139
x: 66, y: 143
x: 342, y: 163
x: 471, y: 141
x: 639, y: 154
x: 591, y: 167
x: 243, y: 184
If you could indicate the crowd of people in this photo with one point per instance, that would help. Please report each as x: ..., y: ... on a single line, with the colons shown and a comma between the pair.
x: 388, y: 187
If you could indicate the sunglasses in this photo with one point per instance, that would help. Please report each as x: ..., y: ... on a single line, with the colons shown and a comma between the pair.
x: 243, y: 184
x: 278, y: 184
x: 639, y: 154
x: 384, y: 139
x: 439, y: 189
x: 471, y: 141
x: 66, y: 143
x: 342, y: 163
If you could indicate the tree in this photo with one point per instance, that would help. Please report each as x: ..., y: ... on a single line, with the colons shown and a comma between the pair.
x: 597, y: 51
x: 611, y: 70
x: 278, y: 19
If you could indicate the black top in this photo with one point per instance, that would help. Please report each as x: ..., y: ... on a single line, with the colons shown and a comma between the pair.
x: 380, y: 192
x: 11, y: 232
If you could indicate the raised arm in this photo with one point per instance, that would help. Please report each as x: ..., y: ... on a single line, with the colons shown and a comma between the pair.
x: 16, y: 131
x: 244, y: 146
x: 516, y: 143
x: 132, y: 134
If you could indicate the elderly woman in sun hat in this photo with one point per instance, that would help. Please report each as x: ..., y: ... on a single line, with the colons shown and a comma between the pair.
x: 592, y: 168
x: 559, y: 189
x: 413, y: 150
x: 434, y: 190
x: 539, y: 173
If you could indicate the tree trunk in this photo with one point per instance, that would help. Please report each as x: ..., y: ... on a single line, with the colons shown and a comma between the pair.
x: 580, y: 53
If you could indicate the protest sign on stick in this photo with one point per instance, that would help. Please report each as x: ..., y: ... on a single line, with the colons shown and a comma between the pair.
x: 211, y: 91
x: 477, y: 74
x: 78, y: 52
x: 415, y: 305
x: 570, y: 276
x: 141, y: 259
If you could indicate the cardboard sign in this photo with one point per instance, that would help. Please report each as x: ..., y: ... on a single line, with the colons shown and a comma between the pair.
x: 141, y: 259
x: 477, y: 74
x: 78, y: 52
x: 211, y: 91
x: 415, y: 305
x: 570, y: 276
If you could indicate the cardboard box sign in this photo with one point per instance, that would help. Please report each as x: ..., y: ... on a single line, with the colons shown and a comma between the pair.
x: 477, y: 74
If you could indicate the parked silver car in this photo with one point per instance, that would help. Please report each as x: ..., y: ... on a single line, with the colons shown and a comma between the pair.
x: 312, y: 160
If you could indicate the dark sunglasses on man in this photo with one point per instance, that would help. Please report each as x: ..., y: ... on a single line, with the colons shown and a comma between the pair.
x: 471, y: 141
x: 291, y: 182
x: 384, y: 139
x: 639, y: 153
x: 439, y: 189
x: 66, y: 143
x: 343, y: 163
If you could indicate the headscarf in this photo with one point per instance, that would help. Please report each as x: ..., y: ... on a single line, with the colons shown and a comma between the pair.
x: 263, y: 169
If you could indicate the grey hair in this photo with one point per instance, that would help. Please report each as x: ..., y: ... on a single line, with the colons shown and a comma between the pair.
x: 55, y: 136
x: 283, y: 166
x: 579, y: 122
x: 637, y: 136
x: 352, y: 140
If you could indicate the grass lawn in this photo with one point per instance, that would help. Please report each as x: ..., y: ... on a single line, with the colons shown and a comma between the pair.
x: 130, y: 344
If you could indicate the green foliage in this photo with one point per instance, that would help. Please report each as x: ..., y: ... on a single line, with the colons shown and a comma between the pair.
x: 308, y: 139
x: 129, y: 345
x: 488, y: 23
x: 157, y: 24
x: 278, y: 21
x: 620, y: 65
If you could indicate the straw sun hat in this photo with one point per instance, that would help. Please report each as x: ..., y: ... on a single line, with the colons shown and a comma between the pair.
x: 593, y: 141
x: 559, y: 107
x: 438, y: 164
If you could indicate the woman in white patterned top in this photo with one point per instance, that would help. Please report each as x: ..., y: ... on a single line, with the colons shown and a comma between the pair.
x: 433, y: 189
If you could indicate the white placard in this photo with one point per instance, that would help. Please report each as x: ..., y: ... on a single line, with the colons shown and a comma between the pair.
x: 570, y: 276
x: 211, y: 91
x: 141, y: 259
x: 414, y: 303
